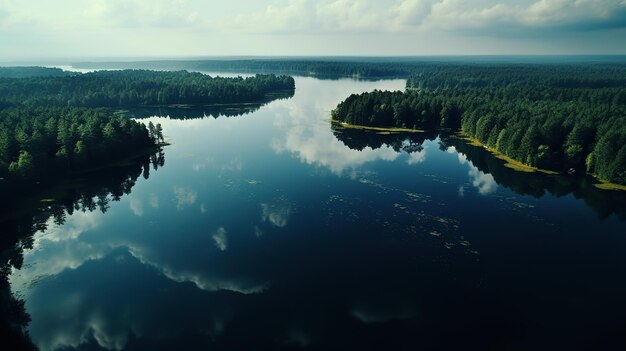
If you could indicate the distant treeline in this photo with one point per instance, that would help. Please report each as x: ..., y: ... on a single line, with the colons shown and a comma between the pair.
x: 137, y: 88
x: 277, y: 66
x: 33, y: 71
x: 547, y: 116
x: 369, y: 67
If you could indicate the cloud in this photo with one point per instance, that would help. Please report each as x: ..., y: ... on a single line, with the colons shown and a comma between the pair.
x: 184, y: 197
x: 307, y: 131
x: 539, y: 14
x: 154, y: 200
x: 136, y: 13
x: 214, y: 284
x: 235, y: 164
x: 277, y: 213
x: 307, y: 16
x: 220, y: 238
x: 350, y: 16
x: 136, y: 206
x: 58, y: 249
x: 484, y: 182
x: 198, y: 166
x: 416, y: 157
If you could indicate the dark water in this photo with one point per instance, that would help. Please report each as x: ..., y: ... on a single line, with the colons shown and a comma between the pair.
x: 273, y: 230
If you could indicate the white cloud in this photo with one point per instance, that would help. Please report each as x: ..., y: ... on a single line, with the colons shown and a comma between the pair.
x: 220, y: 238
x: 36, y: 28
x: 277, y: 213
x: 136, y: 206
x: 208, y: 284
x: 314, y: 145
x: 198, y: 166
x: 184, y: 197
x: 485, y: 183
x: 340, y: 16
x: 306, y: 133
x: 416, y: 157
x: 154, y: 200
x: 136, y: 13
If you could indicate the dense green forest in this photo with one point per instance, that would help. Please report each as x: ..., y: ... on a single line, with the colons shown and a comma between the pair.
x: 364, y: 67
x: 547, y: 116
x: 33, y: 71
x: 37, y: 145
x: 137, y: 88
x: 58, y: 125
x: 313, y: 67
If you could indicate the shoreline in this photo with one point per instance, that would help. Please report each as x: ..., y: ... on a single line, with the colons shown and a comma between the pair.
x: 521, y: 167
x: 510, y: 162
x: 381, y: 130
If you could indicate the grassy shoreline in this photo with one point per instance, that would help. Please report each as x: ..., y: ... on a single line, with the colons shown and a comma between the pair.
x: 381, y: 130
x: 521, y: 167
x: 606, y: 185
x: 510, y: 162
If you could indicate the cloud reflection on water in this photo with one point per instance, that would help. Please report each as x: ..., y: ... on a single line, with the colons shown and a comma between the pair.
x: 485, y: 183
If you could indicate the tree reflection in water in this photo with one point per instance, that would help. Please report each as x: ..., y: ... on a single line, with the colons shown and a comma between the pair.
x: 604, y: 203
x: 21, y: 218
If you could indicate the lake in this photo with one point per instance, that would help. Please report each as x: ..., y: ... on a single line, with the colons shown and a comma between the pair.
x: 275, y: 230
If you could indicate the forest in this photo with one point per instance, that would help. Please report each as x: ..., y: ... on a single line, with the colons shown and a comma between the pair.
x: 370, y: 67
x: 564, y: 118
x: 42, y: 144
x: 137, y: 88
x: 51, y: 126
x: 33, y: 71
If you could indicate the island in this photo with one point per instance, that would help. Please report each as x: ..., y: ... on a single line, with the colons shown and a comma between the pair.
x: 565, y: 118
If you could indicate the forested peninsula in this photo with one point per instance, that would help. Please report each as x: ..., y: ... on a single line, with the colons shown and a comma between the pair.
x: 138, y: 88
x: 567, y: 118
x: 54, y: 124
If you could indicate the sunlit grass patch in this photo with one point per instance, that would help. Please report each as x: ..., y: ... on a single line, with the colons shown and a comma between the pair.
x: 509, y: 162
x: 604, y: 185
x: 381, y: 130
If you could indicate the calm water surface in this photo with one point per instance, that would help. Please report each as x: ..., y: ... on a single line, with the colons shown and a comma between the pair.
x: 272, y: 230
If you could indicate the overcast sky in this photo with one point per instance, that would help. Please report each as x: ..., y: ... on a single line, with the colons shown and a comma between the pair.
x: 159, y: 28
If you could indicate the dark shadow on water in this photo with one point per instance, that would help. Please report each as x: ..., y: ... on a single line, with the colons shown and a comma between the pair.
x: 603, y: 202
x: 360, y: 139
x: 21, y: 218
x: 200, y: 111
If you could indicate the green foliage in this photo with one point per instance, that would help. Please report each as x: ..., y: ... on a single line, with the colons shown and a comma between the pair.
x: 137, y: 88
x: 56, y: 123
x: 49, y: 142
x: 27, y: 72
x: 550, y: 116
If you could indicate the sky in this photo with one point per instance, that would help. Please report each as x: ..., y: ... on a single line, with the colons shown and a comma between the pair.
x: 35, y: 29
